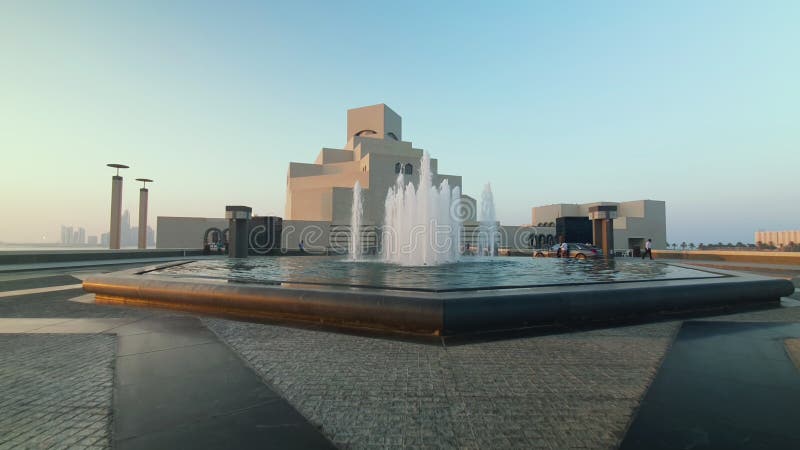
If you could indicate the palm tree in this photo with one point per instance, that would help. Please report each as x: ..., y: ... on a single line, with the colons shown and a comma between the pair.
x: 700, y: 246
x: 691, y: 246
x: 683, y: 245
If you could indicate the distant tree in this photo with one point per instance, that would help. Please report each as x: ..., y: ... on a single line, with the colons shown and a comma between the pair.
x: 760, y: 245
x: 683, y: 245
x: 771, y: 245
x: 740, y: 244
x: 720, y: 244
x: 700, y: 246
x: 691, y: 246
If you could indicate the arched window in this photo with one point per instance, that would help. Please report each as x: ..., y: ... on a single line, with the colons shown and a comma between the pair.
x: 408, y: 169
x: 366, y: 132
x: 397, y: 167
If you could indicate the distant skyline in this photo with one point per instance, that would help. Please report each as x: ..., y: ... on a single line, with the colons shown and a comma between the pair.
x: 693, y: 103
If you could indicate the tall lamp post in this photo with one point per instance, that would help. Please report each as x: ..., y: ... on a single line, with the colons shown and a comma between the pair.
x: 116, y: 207
x: 143, y: 212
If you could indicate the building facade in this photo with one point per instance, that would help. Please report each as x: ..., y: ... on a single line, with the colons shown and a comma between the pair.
x: 374, y: 155
x: 778, y: 238
x: 636, y: 221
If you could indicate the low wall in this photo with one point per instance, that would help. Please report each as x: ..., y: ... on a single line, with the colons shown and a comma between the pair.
x: 44, y: 256
x: 790, y: 258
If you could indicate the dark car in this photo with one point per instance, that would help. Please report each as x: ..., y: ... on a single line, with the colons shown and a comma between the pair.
x: 577, y: 251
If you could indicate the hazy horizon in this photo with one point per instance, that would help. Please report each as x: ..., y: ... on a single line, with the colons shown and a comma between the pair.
x: 692, y: 104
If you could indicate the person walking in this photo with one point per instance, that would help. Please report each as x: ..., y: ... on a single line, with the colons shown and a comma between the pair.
x: 564, y: 250
x: 648, y: 249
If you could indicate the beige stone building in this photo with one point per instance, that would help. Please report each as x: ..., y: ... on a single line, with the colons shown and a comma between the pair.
x: 635, y: 222
x: 778, y: 238
x: 374, y: 154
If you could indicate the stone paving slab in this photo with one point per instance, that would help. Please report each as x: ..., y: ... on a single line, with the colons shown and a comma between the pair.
x: 55, y: 305
x: 178, y: 386
x: 55, y: 390
x: 37, y: 282
x: 723, y: 385
x: 561, y: 391
x: 60, y: 326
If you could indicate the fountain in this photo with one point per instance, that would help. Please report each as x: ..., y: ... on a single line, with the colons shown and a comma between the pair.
x: 356, y: 216
x: 418, y: 228
x: 487, y: 238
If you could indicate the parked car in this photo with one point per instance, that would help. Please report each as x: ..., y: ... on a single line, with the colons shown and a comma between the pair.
x: 577, y: 251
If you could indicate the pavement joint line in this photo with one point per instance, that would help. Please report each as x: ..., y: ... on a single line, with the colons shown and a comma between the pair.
x: 165, y: 349
x: 45, y: 326
x: 65, y: 287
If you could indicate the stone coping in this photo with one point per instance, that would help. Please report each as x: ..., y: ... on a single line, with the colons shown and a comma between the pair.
x: 434, y: 313
x: 765, y: 257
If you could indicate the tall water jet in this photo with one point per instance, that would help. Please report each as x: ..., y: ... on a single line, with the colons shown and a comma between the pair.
x: 356, y: 216
x: 487, y: 238
x: 418, y: 226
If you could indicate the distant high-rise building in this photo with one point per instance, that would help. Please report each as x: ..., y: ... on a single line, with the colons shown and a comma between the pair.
x: 104, y: 240
x: 129, y: 236
x: 67, y: 235
x: 73, y: 236
x: 92, y: 240
x: 151, y: 237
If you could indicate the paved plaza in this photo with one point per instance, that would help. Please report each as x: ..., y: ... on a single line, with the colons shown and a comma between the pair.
x: 63, y: 378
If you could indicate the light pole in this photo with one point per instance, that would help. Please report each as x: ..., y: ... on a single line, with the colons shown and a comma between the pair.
x: 116, y: 207
x: 143, y: 212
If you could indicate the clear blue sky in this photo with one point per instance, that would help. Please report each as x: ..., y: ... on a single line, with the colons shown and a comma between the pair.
x: 694, y: 103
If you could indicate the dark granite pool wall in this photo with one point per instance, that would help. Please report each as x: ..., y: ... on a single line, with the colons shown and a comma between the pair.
x: 587, y: 303
x: 432, y: 313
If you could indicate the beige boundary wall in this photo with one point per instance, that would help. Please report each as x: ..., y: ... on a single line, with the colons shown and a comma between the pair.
x: 185, y: 232
x: 788, y: 258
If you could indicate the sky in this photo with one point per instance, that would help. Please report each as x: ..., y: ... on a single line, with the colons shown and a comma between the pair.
x: 693, y: 103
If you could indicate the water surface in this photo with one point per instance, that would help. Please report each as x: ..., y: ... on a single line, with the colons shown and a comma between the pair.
x: 468, y: 274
